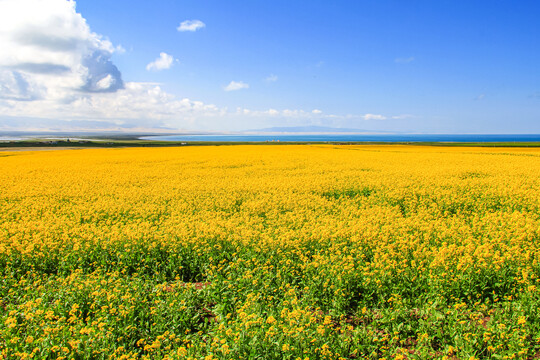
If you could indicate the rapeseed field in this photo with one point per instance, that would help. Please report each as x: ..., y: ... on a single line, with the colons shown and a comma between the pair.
x: 270, y: 252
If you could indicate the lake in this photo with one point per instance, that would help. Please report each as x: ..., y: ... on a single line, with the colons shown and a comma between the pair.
x: 350, y: 138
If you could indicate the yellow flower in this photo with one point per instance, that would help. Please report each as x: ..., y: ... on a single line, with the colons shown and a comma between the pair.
x: 225, y: 349
x: 182, y: 351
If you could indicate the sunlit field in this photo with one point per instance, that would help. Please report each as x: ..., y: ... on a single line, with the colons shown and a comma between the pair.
x: 270, y: 252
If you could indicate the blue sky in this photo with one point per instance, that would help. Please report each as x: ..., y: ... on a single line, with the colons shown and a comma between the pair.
x: 406, y: 66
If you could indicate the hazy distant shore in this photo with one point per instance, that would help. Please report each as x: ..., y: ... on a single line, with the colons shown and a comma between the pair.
x: 85, y: 141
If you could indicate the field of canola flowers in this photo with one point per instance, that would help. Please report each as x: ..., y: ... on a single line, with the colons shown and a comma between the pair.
x: 270, y: 252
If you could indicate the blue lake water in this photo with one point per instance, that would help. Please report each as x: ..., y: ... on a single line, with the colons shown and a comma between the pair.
x: 349, y: 138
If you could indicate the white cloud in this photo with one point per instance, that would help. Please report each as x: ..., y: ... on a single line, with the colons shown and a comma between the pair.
x: 106, y: 83
x: 271, y: 78
x: 404, y: 60
x: 49, y: 52
x: 236, y: 85
x: 191, y: 25
x: 137, y: 101
x: 316, y: 111
x: 373, y: 117
x: 164, y: 61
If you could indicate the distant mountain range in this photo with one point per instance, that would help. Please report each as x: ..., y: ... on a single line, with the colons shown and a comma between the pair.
x: 316, y: 129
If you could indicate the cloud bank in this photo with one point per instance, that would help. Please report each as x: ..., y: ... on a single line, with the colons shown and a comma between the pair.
x: 49, y: 52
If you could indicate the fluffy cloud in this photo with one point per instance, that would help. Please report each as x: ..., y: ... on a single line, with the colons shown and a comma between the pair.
x: 164, y: 61
x: 316, y: 111
x: 48, y: 52
x: 236, y: 85
x: 191, y: 25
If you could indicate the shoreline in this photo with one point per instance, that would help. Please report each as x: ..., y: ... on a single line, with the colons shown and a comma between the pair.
x: 39, y: 145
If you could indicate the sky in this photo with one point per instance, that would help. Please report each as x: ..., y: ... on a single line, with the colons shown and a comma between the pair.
x: 408, y: 66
